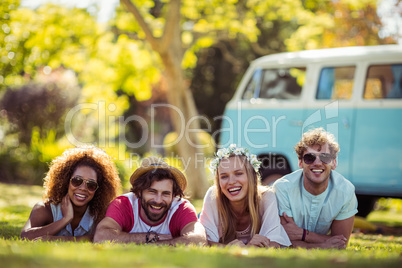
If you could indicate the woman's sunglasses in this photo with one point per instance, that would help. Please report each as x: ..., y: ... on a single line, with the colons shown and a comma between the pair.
x: 310, y: 158
x: 76, y: 181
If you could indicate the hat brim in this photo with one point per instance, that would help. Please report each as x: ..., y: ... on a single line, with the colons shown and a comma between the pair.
x: 177, y: 174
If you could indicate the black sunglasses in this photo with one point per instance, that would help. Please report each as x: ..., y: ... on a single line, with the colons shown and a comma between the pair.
x: 76, y: 181
x: 310, y: 158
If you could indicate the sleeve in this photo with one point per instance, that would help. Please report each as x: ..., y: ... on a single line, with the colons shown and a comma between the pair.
x: 349, y: 207
x: 121, y: 211
x: 270, y: 222
x: 209, y: 216
x: 185, y: 214
x: 282, y: 198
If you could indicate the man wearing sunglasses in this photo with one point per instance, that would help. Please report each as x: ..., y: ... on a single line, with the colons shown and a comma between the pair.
x: 316, y: 204
x: 154, y: 211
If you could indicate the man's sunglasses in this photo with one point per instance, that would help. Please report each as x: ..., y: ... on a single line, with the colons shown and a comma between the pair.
x: 76, y: 181
x: 309, y: 158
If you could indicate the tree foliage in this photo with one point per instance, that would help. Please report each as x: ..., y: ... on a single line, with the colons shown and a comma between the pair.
x: 41, y: 106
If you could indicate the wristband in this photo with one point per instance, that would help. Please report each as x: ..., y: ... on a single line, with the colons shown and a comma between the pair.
x: 304, y: 235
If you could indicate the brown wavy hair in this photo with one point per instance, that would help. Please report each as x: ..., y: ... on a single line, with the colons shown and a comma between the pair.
x: 62, y: 168
x: 227, y: 217
x: 317, y: 136
x: 145, y: 181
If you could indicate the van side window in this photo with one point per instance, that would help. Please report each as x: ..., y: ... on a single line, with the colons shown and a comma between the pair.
x: 384, y: 82
x: 336, y: 83
x: 253, y: 86
x: 283, y: 83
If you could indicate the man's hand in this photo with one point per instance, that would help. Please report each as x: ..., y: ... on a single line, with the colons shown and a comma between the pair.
x: 259, y: 241
x: 337, y: 241
x: 164, y: 237
x: 294, y: 232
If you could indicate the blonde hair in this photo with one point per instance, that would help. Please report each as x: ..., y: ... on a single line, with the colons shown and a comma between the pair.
x: 227, y: 217
x: 317, y: 136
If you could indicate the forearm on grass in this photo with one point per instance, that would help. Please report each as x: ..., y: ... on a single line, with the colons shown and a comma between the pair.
x: 192, y: 233
x: 109, y: 234
x: 51, y: 229
x: 81, y: 238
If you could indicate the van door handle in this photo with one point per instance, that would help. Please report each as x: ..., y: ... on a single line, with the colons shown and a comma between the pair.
x: 296, y: 123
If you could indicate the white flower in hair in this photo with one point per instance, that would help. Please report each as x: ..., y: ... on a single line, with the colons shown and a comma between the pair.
x: 233, y: 149
x: 238, y: 151
x: 220, y: 153
x: 214, y: 163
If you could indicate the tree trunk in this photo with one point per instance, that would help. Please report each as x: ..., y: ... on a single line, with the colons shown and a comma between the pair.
x: 170, y: 49
x: 191, y: 156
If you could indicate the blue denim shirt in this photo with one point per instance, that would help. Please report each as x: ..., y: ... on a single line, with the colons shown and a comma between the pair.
x: 84, y: 228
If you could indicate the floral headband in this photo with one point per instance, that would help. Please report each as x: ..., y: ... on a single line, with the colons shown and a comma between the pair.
x: 233, y: 149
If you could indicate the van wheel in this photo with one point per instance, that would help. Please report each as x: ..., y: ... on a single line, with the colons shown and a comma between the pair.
x: 270, y: 179
x: 273, y: 167
x: 365, y: 204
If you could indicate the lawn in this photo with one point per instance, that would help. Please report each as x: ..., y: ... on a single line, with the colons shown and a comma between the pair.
x: 16, y: 201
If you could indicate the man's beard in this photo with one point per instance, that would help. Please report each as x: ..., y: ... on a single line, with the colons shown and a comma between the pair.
x: 152, y: 216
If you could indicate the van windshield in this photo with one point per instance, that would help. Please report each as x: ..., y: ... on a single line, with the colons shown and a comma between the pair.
x: 284, y: 83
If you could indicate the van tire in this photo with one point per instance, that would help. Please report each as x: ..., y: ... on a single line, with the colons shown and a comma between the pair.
x: 270, y: 179
x: 273, y: 167
x: 365, y: 204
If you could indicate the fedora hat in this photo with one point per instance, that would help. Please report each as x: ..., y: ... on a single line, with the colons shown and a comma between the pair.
x: 153, y: 162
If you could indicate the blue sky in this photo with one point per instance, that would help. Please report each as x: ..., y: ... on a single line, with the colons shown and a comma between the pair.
x: 103, y: 9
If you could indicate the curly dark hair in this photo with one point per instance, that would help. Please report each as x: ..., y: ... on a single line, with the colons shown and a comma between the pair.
x: 62, y: 168
x: 145, y: 180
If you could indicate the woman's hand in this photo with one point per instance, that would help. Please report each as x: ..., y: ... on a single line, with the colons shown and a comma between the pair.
x: 67, y: 208
x: 236, y: 242
x: 259, y: 241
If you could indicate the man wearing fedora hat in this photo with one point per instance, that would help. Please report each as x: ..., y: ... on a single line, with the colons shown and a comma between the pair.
x: 154, y: 211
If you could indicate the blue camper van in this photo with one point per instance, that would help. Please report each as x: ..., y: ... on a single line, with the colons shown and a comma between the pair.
x: 353, y: 92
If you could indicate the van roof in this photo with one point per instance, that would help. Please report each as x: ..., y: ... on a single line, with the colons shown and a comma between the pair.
x: 318, y: 55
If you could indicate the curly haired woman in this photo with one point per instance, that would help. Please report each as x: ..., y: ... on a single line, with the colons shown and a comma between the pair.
x: 79, y: 186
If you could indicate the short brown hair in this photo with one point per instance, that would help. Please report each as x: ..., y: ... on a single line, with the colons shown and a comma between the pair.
x: 317, y: 136
x: 145, y: 181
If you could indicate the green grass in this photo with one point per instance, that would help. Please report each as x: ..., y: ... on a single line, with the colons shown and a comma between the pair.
x: 16, y: 202
x: 389, y: 211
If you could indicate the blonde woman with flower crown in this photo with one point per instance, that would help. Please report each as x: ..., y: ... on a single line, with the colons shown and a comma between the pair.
x: 237, y: 210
